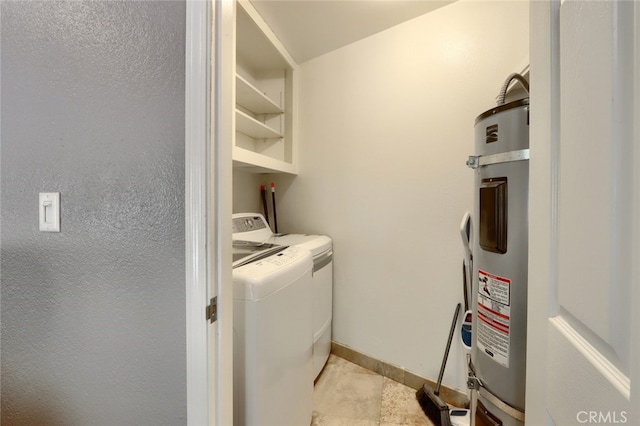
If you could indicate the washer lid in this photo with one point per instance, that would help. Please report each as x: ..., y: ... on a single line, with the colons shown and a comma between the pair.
x: 250, y: 251
x: 316, y: 244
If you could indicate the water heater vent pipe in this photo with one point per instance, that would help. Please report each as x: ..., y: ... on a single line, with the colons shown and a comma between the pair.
x: 503, y: 92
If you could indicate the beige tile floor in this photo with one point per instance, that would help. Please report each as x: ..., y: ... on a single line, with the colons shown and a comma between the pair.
x: 348, y: 395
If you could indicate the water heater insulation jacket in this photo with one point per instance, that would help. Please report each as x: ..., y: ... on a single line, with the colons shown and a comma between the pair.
x: 500, y: 251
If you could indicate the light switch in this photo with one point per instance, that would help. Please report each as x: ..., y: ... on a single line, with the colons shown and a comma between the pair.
x: 49, y: 205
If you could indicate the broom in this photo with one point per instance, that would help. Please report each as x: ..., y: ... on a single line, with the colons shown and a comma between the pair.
x: 430, y: 402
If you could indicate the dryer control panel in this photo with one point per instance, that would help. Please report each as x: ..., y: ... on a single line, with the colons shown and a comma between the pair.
x: 248, y: 223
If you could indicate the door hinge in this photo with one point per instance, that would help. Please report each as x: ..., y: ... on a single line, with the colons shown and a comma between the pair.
x: 212, y: 310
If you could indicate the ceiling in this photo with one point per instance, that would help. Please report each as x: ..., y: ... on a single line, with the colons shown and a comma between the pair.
x: 310, y: 28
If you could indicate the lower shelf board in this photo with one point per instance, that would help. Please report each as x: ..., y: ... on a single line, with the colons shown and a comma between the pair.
x: 254, y: 162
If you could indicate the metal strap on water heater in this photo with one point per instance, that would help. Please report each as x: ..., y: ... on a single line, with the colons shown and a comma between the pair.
x: 475, y: 384
x: 506, y: 408
x: 476, y: 161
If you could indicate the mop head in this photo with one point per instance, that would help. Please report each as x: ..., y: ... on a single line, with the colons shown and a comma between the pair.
x: 433, y: 406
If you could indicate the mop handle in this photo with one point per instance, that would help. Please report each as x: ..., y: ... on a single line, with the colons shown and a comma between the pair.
x: 263, y: 195
x: 273, y: 200
x: 446, y: 352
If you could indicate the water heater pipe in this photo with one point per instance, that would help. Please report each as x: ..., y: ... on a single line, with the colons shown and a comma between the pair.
x: 503, y: 91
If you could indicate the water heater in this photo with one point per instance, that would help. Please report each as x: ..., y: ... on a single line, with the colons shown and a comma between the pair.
x: 499, y: 275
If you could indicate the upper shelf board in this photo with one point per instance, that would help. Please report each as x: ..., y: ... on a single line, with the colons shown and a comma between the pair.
x: 253, y: 99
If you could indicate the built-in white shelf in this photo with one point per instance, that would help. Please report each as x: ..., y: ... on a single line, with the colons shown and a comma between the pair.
x: 244, y: 159
x: 251, y: 98
x: 251, y: 127
x: 265, y: 98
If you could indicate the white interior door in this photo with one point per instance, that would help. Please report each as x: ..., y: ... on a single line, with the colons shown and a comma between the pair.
x: 583, y: 348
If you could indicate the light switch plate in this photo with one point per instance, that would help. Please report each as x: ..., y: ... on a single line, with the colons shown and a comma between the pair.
x: 49, y: 211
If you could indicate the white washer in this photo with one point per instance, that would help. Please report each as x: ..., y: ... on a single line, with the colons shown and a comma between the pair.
x: 272, y: 342
x: 254, y: 227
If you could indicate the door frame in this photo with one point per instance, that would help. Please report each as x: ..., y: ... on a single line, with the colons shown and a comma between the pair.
x: 197, y: 100
x: 209, y: 106
x: 543, y: 201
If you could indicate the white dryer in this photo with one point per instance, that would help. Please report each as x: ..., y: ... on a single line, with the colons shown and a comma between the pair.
x: 272, y: 335
x: 254, y: 227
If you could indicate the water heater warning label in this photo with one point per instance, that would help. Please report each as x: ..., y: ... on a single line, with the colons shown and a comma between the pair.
x: 494, y: 316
